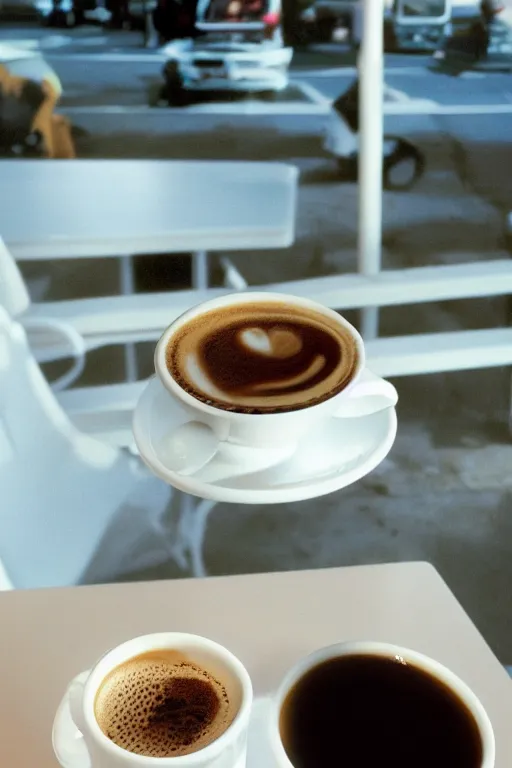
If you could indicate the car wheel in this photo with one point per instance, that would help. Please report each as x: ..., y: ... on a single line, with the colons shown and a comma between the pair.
x: 174, y: 91
x: 268, y: 95
x: 403, y: 166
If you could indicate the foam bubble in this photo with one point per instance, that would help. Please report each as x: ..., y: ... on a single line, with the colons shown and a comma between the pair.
x: 159, y: 709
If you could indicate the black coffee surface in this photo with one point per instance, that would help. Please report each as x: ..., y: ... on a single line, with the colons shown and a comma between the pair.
x: 376, y: 712
x: 262, y: 357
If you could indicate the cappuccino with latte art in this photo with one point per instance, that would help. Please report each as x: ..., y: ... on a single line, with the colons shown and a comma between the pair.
x: 262, y: 357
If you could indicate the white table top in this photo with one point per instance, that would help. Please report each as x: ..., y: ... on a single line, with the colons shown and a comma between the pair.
x: 47, y: 636
x: 86, y: 208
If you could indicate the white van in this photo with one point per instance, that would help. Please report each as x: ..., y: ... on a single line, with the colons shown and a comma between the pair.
x: 415, y: 24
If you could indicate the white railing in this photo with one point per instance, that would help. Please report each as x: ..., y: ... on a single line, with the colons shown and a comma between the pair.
x: 392, y: 356
x: 110, y: 408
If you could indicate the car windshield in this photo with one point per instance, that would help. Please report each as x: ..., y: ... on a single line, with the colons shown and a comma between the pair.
x: 236, y: 10
x: 427, y: 8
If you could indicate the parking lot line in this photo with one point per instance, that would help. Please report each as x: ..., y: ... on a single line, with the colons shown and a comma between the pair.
x: 352, y: 71
x: 319, y: 107
x: 105, y: 57
x: 222, y: 108
x: 312, y: 93
x: 427, y: 107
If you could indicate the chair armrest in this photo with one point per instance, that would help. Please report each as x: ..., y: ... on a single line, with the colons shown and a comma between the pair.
x: 104, y: 412
x: 120, y: 319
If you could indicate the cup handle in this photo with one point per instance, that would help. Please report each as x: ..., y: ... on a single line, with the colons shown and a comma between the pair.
x: 370, y: 394
x: 67, y: 738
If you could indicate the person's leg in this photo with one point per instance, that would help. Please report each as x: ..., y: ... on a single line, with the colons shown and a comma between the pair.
x: 43, y: 119
x: 482, y: 40
x: 63, y: 145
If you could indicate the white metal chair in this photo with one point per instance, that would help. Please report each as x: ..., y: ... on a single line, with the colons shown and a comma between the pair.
x: 15, y: 299
x: 61, y: 489
x: 70, y: 328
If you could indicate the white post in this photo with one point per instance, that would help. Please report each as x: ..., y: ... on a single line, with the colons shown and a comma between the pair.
x: 371, y: 127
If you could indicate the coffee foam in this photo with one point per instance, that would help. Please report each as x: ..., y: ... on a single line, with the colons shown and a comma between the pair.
x: 262, y: 357
x: 160, y: 704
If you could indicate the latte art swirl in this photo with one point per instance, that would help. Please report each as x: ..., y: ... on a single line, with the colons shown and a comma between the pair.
x: 262, y: 357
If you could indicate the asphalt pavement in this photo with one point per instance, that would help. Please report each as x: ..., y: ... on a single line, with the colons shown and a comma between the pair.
x: 445, y: 493
x: 114, y: 90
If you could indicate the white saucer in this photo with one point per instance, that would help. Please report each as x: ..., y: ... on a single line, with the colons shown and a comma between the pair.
x: 75, y: 755
x: 333, y: 455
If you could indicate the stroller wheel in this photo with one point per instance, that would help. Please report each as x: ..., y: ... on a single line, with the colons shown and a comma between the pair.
x: 403, y: 166
x: 347, y: 167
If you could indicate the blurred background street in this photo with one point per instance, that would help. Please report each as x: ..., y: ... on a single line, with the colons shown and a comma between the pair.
x: 445, y: 492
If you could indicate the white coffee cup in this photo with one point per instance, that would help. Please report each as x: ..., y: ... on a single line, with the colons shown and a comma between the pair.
x: 386, y: 650
x: 79, y: 742
x: 364, y: 394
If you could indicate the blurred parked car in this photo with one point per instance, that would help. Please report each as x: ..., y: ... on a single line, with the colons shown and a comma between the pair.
x: 321, y: 21
x: 240, y: 48
x: 408, y: 24
x: 69, y: 13
x: 17, y: 10
x: 415, y: 25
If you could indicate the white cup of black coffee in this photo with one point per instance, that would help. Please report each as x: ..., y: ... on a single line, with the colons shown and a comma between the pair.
x: 374, y: 705
x: 260, y: 369
x: 165, y: 699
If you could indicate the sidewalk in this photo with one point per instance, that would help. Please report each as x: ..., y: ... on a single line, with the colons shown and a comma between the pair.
x: 89, y: 38
x: 487, y: 158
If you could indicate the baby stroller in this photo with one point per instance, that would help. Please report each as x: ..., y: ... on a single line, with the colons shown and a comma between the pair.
x: 403, y: 162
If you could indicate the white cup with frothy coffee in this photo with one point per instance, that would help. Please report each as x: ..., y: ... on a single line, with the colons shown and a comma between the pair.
x: 166, y: 700
x: 261, y: 369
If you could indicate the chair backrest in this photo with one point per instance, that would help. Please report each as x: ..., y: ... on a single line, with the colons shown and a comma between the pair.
x: 59, y: 488
x: 14, y: 296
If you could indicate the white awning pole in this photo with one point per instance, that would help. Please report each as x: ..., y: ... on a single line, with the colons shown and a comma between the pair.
x: 371, y: 124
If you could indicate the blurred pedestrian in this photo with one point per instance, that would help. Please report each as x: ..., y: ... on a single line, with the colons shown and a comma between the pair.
x: 291, y: 27
x: 489, y: 9
x: 120, y: 13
